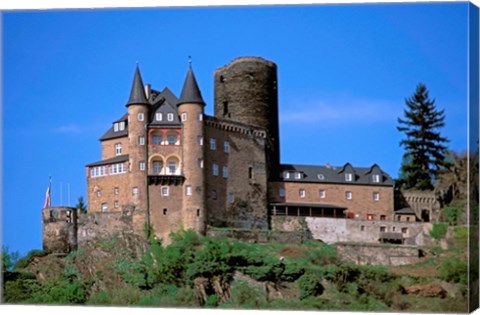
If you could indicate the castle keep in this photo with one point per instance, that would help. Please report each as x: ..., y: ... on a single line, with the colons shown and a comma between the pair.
x: 176, y: 167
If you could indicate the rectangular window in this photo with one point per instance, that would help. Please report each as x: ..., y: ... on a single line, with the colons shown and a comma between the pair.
x: 286, y: 175
x: 281, y: 192
x: 376, y: 196
x: 165, y: 211
x: 404, y: 230
x: 376, y: 178
x: 141, y: 165
x: 200, y: 117
x: 200, y: 140
x: 370, y: 217
x: 322, y: 193
x: 118, y: 148
x: 225, y: 171
x: 117, y: 169
x: 115, y: 203
x: 212, y: 144
x: 298, y: 175
x: 141, y: 140
x: 172, y: 139
x: 135, y: 191
x: 184, y: 116
x: 348, y: 177
x: 230, y: 198
x: 348, y: 195
x: 215, y: 169
x: 115, y: 127
x: 200, y: 163
x: 383, y: 229
x: 116, y: 190
x: 226, y: 146
x: 121, y: 125
x: 214, y: 194
x: 165, y: 191
x: 157, y: 139
x: 301, y: 192
x: 158, y: 116
x: 250, y: 172
x: 383, y: 217
x: 104, y: 207
x: 170, y: 117
x: 99, y: 193
x: 140, y: 116
x: 172, y: 167
x: 362, y: 228
x: 157, y: 167
x: 188, y: 190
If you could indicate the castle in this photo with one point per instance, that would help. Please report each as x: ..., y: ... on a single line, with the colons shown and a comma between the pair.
x: 177, y: 167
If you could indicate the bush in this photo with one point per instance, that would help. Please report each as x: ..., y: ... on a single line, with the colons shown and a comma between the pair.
x: 454, y: 211
x: 439, y: 230
x: 309, y: 285
x: 246, y: 296
x: 24, y: 261
x: 454, y: 270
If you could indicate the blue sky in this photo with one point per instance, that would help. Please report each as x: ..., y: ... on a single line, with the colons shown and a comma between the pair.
x: 344, y: 72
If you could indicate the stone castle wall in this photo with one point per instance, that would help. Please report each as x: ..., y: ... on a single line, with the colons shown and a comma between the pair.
x: 379, y: 254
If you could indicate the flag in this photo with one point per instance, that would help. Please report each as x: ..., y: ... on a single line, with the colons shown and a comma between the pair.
x: 47, y: 196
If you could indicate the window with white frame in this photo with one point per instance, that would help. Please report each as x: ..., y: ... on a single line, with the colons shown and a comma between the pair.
x: 170, y: 117
x: 115, y: 203
x: 200, y: 117
x: 348, y: 195
x: 281, y: 192
x: 322, y: 193
x: 141, y: 165
x: 286, y: 175
x: 141, y: 140
x: 172, y: 167
x: 118, y: 168
x: 104, y: 207
x: 348, y: 177
x: 184, y: 116
x: 200, y: 140
x: 99, y: 193
x: 116, y: 190
x: 376, y: 178
x: 135, y: 191
x: 140, y: 116
x: 200, y: 163
x: 226, y: 146
x: 298, y: 175
x: 157, y: 167
x: 320, y: 176
x: 118, y: 149
x: 115, y: 127
x: 188, y: 190
x: 301, y: 192
x: 98, y: 171
x: 225, y: 171
x: 215, y: 169
x: 213, y: 144
x: 121, y: 125
x: 158, y: 116
x: 165, y: 191
x: 376, y: 196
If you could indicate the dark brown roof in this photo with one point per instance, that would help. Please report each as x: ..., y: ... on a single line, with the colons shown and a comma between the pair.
x: 117, y: 159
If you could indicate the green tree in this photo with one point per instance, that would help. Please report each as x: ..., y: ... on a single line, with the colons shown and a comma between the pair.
x: 8, y: 259
x: 425, y: 151
x: 81, y: 205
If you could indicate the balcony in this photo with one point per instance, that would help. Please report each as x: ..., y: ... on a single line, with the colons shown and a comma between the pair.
x: 165, y: 180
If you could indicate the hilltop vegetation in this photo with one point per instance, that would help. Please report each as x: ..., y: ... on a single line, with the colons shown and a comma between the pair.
x: 210, y: 272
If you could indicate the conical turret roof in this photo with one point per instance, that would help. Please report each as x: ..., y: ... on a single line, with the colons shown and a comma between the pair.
x: 137, y: 94
x: 191, y: 92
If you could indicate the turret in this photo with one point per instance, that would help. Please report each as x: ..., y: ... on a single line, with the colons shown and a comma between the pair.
x: 138, y: 108
x: 190, y: 109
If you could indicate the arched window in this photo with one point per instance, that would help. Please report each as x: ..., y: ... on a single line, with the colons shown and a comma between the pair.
x: 172, y: 138
x: 157, y: 167
x: 173, y: 167
x: 157, y: 138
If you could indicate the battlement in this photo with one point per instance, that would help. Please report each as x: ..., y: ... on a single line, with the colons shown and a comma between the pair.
x: 230, y: 126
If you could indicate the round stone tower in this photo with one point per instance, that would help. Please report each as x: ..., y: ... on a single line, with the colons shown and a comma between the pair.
x: 190, y: 109
x: 246, y: 92
x: 138, y: 107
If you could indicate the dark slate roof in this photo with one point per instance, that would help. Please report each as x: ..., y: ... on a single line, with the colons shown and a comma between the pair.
x: 405, y: 211
x: 190, y: 92
x: 335, y: 174
x: 165, y: 107
x: 307, y: 205
x: 111, y: 134
x: 117, y: 159
x: 137, y: 94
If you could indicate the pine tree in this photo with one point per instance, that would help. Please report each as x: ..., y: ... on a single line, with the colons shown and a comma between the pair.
x: 81, y: 205
x: 425, y: 153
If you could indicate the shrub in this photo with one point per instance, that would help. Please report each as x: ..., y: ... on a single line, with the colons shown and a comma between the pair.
x: 439, y: 230
x: 24, y: 261
x: 454, y: 211
x: 247, y: 296
x: 309, y: 285
x: 454, y: 270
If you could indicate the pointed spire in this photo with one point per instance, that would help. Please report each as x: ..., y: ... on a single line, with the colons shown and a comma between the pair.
x: 190, y: 92
x: 137, y: 94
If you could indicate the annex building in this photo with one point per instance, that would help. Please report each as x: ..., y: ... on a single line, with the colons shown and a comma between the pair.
x: 180, y: 168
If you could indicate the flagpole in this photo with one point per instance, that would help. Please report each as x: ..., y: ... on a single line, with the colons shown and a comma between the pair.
x: 50, y: 190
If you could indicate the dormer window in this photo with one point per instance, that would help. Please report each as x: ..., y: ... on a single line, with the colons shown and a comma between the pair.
x: 321, y: 176
x: 158, y: 116
x: 298, y: 175
x: 121, y: 125
x: 286, y: 175
x: 115, y: 127
x: 348, y: 177
x: 376, y: 178
x: 170, y: 117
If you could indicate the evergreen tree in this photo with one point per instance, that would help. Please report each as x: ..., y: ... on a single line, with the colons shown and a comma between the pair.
x: 425, y: 153
x: 81, y: 205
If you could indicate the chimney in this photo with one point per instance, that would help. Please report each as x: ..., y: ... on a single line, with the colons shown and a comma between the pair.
x: 328, y: 165
x: 147, y: 90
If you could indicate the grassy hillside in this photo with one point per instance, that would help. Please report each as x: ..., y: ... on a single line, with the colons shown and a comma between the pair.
x: 209, y: 272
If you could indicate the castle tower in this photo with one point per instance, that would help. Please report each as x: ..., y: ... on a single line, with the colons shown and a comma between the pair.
x: 246, y: 92
x: 190, y: 109
x: 138, y: 107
